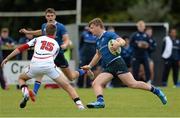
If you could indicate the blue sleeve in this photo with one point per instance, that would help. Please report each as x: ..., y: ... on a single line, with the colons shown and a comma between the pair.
x: 42, y: 28
x: 62, y: 29
x: 152, y: 46
x: 114, y: 35
x: 133, y: 40
x: 97, y: 46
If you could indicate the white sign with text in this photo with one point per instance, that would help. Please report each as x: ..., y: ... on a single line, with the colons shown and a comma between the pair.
x: 13, y: 69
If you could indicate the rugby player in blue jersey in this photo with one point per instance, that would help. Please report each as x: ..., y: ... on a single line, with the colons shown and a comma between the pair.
x: 63, y: 40
x: 114, y: 65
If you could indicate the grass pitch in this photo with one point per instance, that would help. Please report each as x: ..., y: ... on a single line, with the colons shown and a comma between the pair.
x: 120, y: 102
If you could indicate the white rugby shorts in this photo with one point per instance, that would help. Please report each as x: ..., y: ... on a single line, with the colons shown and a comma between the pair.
x: 34, y: 70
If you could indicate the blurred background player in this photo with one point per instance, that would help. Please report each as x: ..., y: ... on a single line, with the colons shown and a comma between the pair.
x: 7, y: 41
x: 45, y: 50
x: 24, y: 40
x: 87, y: 50
x: 140, y: 43
x: 152, y: 48
x: 115, y: 65
x: 127, y: 52
x: 5, y: 37
x: 63, y: 40
x: 171, y: 56
x: 2, y: 80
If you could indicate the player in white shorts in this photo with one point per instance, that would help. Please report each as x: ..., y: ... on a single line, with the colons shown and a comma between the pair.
x: 42, y: 63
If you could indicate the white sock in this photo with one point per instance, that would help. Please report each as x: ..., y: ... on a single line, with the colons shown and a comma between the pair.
x: 79, y: 102
x: 25, y: 91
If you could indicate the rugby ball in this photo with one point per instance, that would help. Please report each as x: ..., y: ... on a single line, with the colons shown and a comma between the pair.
x: 114, y: 52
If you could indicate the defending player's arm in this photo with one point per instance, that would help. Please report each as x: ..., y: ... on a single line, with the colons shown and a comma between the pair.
x: 35, y: 32
x: 14, y: 53
x: 93, y: 62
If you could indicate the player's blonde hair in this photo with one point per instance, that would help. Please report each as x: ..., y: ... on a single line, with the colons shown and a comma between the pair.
x: 97, y: 22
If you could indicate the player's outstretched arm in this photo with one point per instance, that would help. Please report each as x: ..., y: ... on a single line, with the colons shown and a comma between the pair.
x: 14, y: 53
x: 93, y: 62
x: 35, y: 32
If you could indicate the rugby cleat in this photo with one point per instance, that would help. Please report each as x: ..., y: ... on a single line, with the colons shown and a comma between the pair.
x: 32, y: 95
x: 80, y: 107
x: 23, y: 102
x: 96, y: 105
x: 161, y: 96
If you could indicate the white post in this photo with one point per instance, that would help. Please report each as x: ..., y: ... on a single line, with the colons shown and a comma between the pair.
x: 78, y: 9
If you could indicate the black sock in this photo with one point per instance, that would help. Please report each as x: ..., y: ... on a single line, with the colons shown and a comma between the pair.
x: 154, y: 90
x: 100, y: 98
x: 76, y: 99
x: 24, y: 85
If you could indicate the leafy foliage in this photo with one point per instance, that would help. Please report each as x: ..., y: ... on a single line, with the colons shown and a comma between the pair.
x: 108, y: 10
x: 149, y: 10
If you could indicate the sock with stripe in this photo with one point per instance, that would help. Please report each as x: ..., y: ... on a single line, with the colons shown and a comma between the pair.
x: 37, y: 85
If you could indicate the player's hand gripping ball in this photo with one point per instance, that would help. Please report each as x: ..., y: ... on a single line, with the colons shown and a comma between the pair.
x: 114, y: 52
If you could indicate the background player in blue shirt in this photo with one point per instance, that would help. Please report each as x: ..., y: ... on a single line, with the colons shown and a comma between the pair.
x: 63, y: 40
x: 87, y: 44
x: 152, y: 48
x: 140, y: 43
x: 127, y: 52
x: 115, y: 65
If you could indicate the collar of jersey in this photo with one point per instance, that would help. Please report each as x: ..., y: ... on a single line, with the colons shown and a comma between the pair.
x: 101, y: 34
x: 51, y: 36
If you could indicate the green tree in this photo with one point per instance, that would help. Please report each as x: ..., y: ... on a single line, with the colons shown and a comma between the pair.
x: 150, y: 10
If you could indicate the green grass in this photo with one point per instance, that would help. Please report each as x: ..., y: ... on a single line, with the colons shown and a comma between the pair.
x: 120, y: 102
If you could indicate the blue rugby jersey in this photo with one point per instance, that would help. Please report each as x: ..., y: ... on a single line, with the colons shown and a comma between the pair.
x: 127, y: 52
x: 87, y: 46
x: 139, y: 52
x: 61, y: 30
x: 88, y: 37
x: 102, y: 46
x: 152, y: 46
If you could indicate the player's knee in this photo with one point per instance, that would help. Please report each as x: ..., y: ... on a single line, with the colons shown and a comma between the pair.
x: 21, y: 77
x: 71, y: 77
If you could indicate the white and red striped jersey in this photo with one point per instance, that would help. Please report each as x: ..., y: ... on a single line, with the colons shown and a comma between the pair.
x: 45, y: 49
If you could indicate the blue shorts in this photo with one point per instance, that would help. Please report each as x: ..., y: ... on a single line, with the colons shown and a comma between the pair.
x: 116, y: 67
